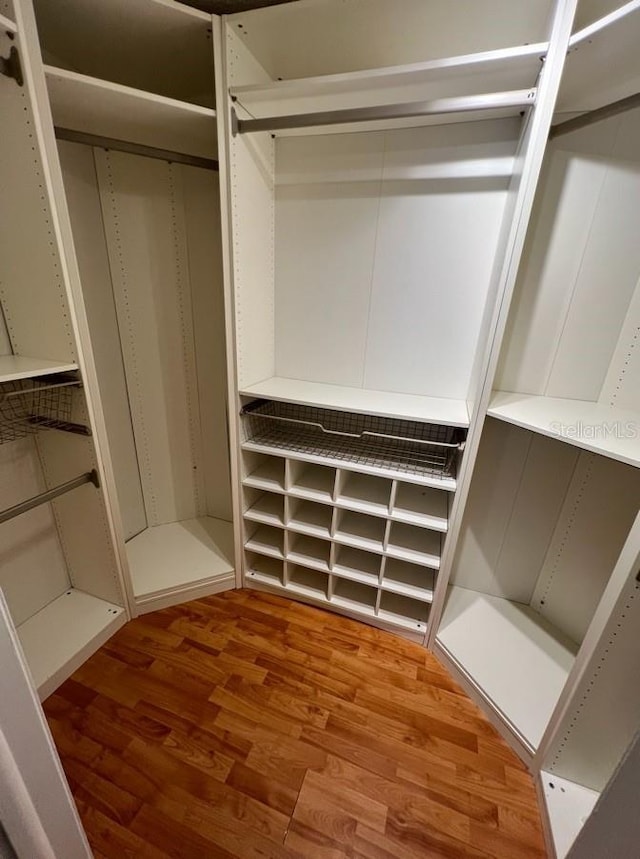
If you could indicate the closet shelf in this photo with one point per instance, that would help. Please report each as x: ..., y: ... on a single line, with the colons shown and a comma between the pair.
x: 269, y: 509
x: 8, y: 25
x: 568, y: 806
x: 85, y: 104
x: 433, y: 410
x: 595, y: 427
x: 516, y: 658
x: 180, y: 556
x: 14, y: 367
x: 61, y: 636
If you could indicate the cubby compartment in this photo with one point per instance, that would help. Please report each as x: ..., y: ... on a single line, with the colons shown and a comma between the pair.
x: 404, y: 611
x: 356, y: 565
x: 421, y: 505
x: 354, y: 596
x: 544, y: 527
x: 264, y: 569
x: 360, y: 531
x: 315, y: 482
x: 410, y: 580
x: 309, y: 551
x: 265, y: 540
x: 264, y: 472
x: 364, y: 492
x: 264, y: 507
x: 307, y: 517
x: 417, y: 545
x: 308, y: 582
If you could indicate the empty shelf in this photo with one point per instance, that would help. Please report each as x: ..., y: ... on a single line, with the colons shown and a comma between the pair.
x: 269, y: 508
x: 360, y: 531
x: 62, y: 635
x: 357, y: 565
x: 307, y: 582
x: 354, y: 596
x: 410, y: 580
x: 405, y: 406
x: 421, y: 505
x: 408, y: 613
x: 309, y: 518
x: 418, y: 545
x: 14, y: 367
x: 512, y: 654
x: 105, y: 109
x: 365, y: 493
x: 180, y: 555
x: 309, y: 551
x: 267, y: 541
x: 268, y: 475
x: 568, y: 806
x: 268, y: 571
x: 315, y: 482
x: 591, y: 426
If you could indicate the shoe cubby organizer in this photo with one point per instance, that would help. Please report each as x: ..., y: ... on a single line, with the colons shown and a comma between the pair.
x: 346, y: 509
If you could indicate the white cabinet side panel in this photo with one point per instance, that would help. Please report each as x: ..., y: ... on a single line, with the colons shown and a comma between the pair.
x: 622, y: 386
x: 202, y: 219
x: 251, y: 173
x: 32, y: 567
x: 143, y: 212
x: 83, y: 199
x: 599, y: 509
x: 32, y: 289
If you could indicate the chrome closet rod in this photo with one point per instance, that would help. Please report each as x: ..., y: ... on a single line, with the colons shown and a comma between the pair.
x: 134, y: 148
x: 596, y: 115
x: 49, y: 495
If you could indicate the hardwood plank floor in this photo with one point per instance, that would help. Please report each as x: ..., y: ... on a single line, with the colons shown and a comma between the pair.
x: 245, y: 726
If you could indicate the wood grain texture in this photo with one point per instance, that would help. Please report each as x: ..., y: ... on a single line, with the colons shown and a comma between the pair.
x: 245, y: 726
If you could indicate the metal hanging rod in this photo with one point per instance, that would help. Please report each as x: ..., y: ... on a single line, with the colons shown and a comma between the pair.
x: 134, y: 148
x: 459, y: 104
x: 596, y: 115
x: 50, y: 494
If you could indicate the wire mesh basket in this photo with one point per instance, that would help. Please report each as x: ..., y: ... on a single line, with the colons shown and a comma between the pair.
x: 396, y: 445
x: 29, y: 405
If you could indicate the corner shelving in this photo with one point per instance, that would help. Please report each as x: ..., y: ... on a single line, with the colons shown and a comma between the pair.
x: 568, y: 805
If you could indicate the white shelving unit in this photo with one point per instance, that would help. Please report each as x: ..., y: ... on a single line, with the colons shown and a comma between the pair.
x: 568, y: 806
x: 15, y: 367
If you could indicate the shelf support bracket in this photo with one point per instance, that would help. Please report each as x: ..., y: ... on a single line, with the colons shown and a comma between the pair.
x: 11, y: 67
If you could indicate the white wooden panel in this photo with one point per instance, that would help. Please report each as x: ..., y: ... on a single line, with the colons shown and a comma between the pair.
x: 251, y: 177
x: 595, y: 317
x: 32, y: 567
x: 5, y: 342
x: 621, y: 387
x: 143, y: 211
x: 13, y: 367
x: 83, y: 200
x: 92, y: 106
x: 202, y: 220
x: 515, y: 657
x: 599, y: 509
x: 32, y: 289
x: 427, y: 295
x: 568, y: 806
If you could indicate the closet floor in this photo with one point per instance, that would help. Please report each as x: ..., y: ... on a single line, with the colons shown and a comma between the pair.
x: 245, y: 725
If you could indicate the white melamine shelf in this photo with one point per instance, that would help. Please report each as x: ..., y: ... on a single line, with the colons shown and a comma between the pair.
x: 409, y: 580
x: 308, y: 582
x: 381, y: 403
x: 403, y: 611
x: 62, y: 635
x: 591, y: 426
x: 267, y: 541
x: 357, y: 565
x: 307, y: 517
x: 420, y: 505
x: 180, y: 555
x: 416, y: 545
x: 269, y: 475
x: 8, y: 25
x: 14, y: 367
x: 365, y: 493
x: 309, y: 552
x: 354, y: 596
x: 268, y: 509
x: 568, y: 806
x: 360, y: 531
x: 518, y: 660
x: 314, y: 482
x: 268, y: 571
x: 92, y: 106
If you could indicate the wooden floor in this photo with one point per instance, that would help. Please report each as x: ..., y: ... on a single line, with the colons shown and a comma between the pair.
x: 245, y: 725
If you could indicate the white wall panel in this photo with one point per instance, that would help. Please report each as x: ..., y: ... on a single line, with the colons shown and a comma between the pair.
x: 143, y: 212
x: 83, y: 199
x: 622, y: 386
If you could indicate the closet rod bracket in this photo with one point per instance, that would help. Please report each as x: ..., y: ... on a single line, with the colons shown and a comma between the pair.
x: 11, y: 66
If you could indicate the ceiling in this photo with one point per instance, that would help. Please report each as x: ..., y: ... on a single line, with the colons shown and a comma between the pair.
x: 228, y: 7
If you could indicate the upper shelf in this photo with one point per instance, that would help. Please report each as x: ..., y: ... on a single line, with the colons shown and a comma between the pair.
x: 8, y: 25
x: 14, y: 367
x: 432, y: 410
x: 596, y: 427
x: 105, y: 109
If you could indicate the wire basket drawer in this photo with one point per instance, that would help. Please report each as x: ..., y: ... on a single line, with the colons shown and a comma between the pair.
x: 388, y: 443
x: 29, y: 405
